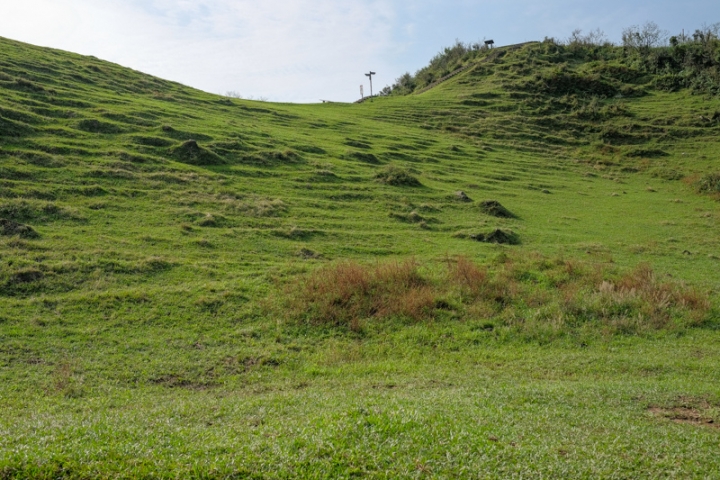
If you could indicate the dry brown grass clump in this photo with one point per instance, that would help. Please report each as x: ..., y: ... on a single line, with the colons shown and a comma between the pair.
x: 654, y: 301
x: 529, y: 294
x: 346, y: 292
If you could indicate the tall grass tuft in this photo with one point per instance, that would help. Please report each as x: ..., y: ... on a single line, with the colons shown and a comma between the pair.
x: 530, y: 295
x: 344, y: 293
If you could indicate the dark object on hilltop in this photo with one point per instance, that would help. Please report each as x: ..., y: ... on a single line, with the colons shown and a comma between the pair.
x: 495, y: 209
x: 397, y: 177
x: 192, y: 153
x: 489, y: 43
x: 460, y: 195
x: 498, y: 236
x: 10, y: 228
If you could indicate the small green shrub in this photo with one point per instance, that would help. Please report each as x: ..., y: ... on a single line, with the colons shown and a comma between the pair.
x: 709, y: 183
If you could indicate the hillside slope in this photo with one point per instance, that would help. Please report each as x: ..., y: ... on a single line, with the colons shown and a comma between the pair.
x: 150, y: 233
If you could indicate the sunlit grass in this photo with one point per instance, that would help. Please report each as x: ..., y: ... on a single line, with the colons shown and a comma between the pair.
x: 197, y: 286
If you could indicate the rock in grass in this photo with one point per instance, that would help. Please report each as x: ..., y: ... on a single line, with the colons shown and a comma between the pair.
x: 504, y: 237
x: 11, y: 228
x: 495, y: 209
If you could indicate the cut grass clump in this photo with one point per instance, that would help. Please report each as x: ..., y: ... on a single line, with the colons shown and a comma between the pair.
x: 295, y: 233
x: 30, y: 210
x: 12, y: 128
x: 152, y: 141
x: 645, y: 153
x: 272, y: 158
x: 357, y: 144
x: 412, y: 217
x: 397, y: 177
x: 503, y: 237
x: 462, y: 196
x: 192, y: 153
x: 213, y: 221
x: 534, y: 297
x: 709, y: 183
x: 256, y: 207
x: 97, y: 126
x: 495, y: 209
x: 364, y: 157
x: 12, y: 228
x: 311, y: 149
x: 26, y: 275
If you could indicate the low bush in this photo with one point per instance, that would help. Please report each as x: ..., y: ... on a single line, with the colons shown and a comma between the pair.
x: 709, y: 183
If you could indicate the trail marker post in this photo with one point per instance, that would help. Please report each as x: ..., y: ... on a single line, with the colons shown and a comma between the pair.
x: 362, y: 93
x: 369, y: 75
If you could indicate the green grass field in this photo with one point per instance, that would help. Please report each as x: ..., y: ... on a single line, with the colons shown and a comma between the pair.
x: 163, y: 253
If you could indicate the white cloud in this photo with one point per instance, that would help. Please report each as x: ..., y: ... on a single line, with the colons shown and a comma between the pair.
x: 300, y: 50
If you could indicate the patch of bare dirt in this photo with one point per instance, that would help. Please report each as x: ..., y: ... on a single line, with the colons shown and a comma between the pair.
x: 686, y: 415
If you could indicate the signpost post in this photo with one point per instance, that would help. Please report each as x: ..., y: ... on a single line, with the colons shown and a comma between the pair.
x: 362, y: 94
x: 369, y: 75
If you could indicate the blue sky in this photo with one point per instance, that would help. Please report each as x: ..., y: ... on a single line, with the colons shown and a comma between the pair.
x: 306, y: 50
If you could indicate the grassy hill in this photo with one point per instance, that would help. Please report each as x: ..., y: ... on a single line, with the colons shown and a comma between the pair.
x: 511, y: 274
